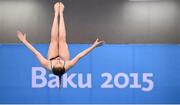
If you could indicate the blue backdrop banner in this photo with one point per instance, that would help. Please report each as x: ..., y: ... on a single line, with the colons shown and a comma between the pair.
x: 132, y: 73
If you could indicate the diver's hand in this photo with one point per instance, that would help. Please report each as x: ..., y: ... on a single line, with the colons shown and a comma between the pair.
x: 98, y: 43
x: 21, y: 36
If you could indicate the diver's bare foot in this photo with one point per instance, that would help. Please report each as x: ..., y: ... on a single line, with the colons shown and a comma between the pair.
x: 56, y: 7
x: 61, y: 7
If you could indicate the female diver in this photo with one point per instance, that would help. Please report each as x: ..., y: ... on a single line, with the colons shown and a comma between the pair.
x: 58, y: 53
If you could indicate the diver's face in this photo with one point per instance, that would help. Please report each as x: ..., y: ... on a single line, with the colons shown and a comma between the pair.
x: 58, y: 65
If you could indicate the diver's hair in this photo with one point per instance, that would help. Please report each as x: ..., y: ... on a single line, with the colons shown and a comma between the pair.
x: 57, y: 70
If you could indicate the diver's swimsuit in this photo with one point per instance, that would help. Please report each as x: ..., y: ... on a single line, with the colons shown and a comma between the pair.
x: 58, y: 72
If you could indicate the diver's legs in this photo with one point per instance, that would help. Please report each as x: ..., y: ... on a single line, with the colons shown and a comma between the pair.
x: 63, y: 47
x: 53, y: 47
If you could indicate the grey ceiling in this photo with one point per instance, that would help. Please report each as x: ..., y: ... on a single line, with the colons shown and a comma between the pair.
x: 115, y: 21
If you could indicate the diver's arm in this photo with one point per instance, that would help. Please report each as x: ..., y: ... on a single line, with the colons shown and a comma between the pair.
x: 38, y: 55
x: 83, y: 53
